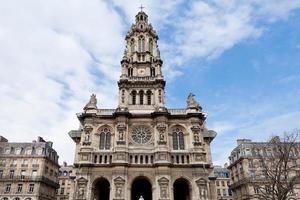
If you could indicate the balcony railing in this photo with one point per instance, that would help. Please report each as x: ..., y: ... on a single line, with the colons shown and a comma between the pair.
x: 106, y: 111
x: 30, y: 178
x: 177, y: 111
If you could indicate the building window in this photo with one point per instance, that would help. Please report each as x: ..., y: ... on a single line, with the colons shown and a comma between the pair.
x: 141, y: 44
x: 105, y: 136
x: 159, y: 96
x: 7, y: 189
x: 178, y: 139
x: 1, y: 173
x: 141, y: 97
x: 149, y: 97
x: 133, y: 94
x: 34, y: 172
x: 62, y: 190
x: 218, y: 184
x: 130, y: 71
x: 219, y: 192
x: 223, y: 184
x: 19, y: 188
x: 152, y: 71
x: 31, y: 188
x: 23, y: 174
x: 11, y: 173
x: 224, y: 192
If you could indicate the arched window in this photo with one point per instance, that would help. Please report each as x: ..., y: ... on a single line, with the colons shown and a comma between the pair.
x: 151, y: 45
x: 105, y: 138
x: 133, y: 94
x: 152, y: 71
x: 132, y: 45
x: 141, y: 93
x: 141, y: 44
x: 178, y: 139
x: 149, y: 97
x: 159, y: 96
x: 130, y: 71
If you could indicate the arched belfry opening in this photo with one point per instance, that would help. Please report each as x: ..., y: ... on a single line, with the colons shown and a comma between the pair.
x: 141, y: 187
x: 101, y: 189
x: 181, y: 189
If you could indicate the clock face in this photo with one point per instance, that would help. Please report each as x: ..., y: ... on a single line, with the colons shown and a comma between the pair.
x: 141, y: 71
x: 141, y: 134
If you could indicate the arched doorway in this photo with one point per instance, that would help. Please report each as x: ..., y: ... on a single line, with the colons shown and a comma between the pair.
x: 101, y: 189
x: 141, y: 187
x: 181, y: 190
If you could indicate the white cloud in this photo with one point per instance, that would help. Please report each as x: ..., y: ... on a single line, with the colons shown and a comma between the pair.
x: 272, y: 126
x: 222, y: 127
x: 49, y: 54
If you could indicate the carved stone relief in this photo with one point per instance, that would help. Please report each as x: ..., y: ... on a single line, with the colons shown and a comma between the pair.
x: 81, y: 188
x: 87, y: 135
x: 121, y: 127
x: 164, y: 188
x: 196, y: 132
x: 202, y: 186
x: 161, y: 128
x: 119, y: 188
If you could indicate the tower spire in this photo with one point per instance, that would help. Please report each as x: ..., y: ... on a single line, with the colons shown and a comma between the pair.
x: 141, y: 85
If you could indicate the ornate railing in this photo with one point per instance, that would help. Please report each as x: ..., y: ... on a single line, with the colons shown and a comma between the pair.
x: 31, y: 178
x: 106, y: 111
x: 177, y: 111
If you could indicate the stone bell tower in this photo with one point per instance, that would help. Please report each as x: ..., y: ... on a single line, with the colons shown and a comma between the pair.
x: 141, y: 84
x: 141, y: 148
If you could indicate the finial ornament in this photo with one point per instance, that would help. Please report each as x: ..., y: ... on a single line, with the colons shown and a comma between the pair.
x: 141, y: 7
x: 92, y: 104
x: 192, y: 103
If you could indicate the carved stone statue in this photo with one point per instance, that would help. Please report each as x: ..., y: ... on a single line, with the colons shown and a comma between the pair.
x: 92, y: 104
x: 192, y: 103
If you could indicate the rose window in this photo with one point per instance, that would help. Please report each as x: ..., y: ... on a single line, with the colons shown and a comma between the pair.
x: 141, y: 134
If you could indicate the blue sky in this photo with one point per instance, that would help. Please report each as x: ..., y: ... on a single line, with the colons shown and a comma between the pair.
x: 240, y: 58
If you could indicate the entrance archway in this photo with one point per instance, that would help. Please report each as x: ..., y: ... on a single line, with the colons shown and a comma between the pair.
x: 141, y: 187
x: 181, y: 190
x: 101, y: 189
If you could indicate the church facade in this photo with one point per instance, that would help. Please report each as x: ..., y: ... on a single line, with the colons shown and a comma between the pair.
x: 141, y: 149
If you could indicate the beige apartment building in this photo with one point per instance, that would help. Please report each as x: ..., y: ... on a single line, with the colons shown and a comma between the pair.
x: 247, y: 171
x: 66, y: 182
x: 28, y: 171
x: 142, y: 149
x: 222, y: 175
